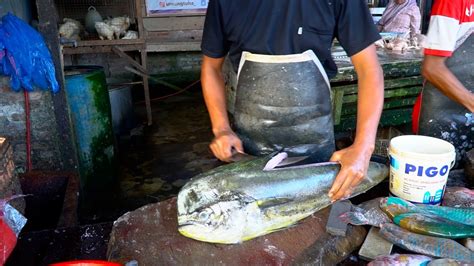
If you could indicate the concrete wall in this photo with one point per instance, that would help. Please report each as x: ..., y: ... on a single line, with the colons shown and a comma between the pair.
x: 45, y: 150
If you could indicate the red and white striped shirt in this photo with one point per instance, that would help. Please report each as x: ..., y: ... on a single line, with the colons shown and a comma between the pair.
x: 451, y: 23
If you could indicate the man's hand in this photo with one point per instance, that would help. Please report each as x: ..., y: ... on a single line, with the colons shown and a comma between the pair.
x: 354, y: 162
x: 225, y: 141
x: 224, y: 144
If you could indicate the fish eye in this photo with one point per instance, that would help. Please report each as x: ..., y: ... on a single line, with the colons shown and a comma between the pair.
x: 203, y: 216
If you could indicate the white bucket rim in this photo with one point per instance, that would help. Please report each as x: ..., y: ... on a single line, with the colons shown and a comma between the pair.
x: 451, y: 151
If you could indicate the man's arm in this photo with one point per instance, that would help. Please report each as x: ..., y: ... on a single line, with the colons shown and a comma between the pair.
x: 434, y: 69
x: 355, y: 159
x: 213, y: 89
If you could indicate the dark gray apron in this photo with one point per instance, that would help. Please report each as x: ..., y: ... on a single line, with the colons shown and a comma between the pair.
x: 443, y: 118
x: 284, y: 103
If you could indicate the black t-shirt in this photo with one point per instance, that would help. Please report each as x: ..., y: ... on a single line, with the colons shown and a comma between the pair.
x: 279, y: 27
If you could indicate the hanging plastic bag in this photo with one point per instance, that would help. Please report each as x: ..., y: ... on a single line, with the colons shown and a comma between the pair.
x: 25, y: 57
x: 11, y: 223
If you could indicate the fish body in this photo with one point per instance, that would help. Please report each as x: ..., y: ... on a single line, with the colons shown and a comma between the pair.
x: 433, y: 225
x: 395, y: 206
x: 427, y: 245
x: 241, y: 201
x: 400, y: 260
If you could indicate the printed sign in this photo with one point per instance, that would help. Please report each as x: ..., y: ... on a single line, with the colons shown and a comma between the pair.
x: 171, y: 7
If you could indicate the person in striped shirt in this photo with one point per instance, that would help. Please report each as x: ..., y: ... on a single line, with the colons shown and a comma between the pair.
x: 447, y: 100
x: 452, y: 22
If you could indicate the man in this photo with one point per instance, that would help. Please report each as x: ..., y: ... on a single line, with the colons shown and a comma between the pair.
x: 276, y: 106
x: 447, y: 101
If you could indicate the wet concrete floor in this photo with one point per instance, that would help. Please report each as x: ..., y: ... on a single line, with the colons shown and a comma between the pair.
x: 156, y: 161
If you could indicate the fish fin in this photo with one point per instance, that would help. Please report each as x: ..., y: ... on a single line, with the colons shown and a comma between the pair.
x: 272, y: 202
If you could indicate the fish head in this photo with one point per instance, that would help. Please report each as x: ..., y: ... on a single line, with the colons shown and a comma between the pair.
x: 212, y: 216
x: 223, y: 222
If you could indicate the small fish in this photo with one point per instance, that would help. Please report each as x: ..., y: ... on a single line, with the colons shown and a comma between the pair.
x: 433, y: 225
x: 448, y: 262
x: 366, y: 213
x: 400, y: 260
x: 395, y: 206
x: 243, y: 200
x: 426, y: 245
x: 458, y: 197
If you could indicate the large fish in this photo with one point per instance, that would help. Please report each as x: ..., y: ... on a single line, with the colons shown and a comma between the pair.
x: 247, y: 199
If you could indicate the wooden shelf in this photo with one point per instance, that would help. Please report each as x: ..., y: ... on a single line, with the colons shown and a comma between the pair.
x: 109, y: 42
x: 173, y: 46
x: 104, y: 46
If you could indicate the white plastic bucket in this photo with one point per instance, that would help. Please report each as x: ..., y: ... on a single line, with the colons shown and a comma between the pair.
x: 419, y: 168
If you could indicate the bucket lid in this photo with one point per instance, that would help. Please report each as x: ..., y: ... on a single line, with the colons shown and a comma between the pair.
x: 422, y: 146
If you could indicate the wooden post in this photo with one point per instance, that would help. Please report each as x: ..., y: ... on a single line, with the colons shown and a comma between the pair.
x: 144, y: 58
x: 48, y: 26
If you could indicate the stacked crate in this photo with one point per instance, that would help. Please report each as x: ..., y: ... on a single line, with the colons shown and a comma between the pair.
x: 403, y: 83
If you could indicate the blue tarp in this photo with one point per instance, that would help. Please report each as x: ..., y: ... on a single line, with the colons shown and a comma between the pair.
x: 25, y: 57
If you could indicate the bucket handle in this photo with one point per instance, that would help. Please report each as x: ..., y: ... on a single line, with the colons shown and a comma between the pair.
x: 452, y: 164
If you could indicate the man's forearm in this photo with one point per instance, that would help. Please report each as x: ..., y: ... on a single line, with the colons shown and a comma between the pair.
x: 370, y: 97
x: 214, y: 94
x: 436, y: 72
x: 369, y: 106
